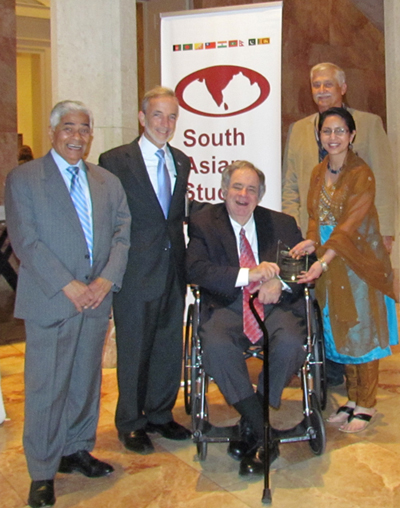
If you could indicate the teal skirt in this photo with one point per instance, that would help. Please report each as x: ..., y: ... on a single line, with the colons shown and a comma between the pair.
x: 363, y: 329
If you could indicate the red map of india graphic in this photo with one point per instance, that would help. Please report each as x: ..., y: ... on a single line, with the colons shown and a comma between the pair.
x: 216, y: 82
x: 216, y: 79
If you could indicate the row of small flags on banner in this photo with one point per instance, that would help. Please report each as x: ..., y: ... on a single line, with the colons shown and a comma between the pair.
x: 219, y: 44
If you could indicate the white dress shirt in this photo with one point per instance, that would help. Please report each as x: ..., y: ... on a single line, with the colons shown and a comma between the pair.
x: 251, y: 235
x: 151, y: 160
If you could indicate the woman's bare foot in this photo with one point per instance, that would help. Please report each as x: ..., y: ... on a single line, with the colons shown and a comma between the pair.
x: 343, y: 414
x: 360, y: 420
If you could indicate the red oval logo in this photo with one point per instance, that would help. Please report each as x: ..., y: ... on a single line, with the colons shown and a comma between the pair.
x: 222, y: 90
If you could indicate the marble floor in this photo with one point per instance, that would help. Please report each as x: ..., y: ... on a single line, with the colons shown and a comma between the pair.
x: 359, y: 470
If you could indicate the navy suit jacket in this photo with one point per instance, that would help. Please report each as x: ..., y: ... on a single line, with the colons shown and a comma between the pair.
x: 212, y: 255
x: 153, y: 238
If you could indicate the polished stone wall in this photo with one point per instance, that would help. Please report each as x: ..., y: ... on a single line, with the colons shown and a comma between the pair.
x: 93, y: 53
x: 8, y: 95
x: 332, y: 30
x: 392, y: 51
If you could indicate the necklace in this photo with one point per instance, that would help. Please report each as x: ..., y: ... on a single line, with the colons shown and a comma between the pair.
x: 334, y: 171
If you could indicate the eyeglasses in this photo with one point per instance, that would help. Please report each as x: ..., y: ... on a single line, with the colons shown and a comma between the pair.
x: 338, y: 131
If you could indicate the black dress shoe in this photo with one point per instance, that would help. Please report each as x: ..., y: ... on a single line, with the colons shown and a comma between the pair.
x: 136, y: 441
x: 170, y: 430
x: 253, y: 463
x: 84, y: 463
x: 41, y: 493
x: 238, y: 449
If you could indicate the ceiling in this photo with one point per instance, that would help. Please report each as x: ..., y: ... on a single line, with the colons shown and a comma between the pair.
x: 373, y: 9
x: 34, y: 3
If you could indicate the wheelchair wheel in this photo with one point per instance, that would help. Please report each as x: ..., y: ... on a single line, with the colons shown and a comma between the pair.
x: 314, y: 401
x: 188, y: 356
x: 202, y: 450
x: 199, y: 402
x: 318, y: 437
x: 200, y: 413
x: 318, y: 368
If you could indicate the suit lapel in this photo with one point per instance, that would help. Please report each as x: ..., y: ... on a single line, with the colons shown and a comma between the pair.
x: 58, y: 192
x: 226, y: 234
x: 99, y: 198
x: 138, y: 167
x: 265, y: 235
x: 181, y: 181
x: 139, y: 172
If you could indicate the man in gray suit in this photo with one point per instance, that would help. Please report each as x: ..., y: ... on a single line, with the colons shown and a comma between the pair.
x: 68, y: 222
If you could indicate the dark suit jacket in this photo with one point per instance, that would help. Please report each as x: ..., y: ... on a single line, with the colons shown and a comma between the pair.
x: 47, y: 237
x: 212, y: 255
x: 151, y: 234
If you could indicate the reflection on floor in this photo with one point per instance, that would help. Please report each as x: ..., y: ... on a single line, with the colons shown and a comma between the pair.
x: 359, y: 470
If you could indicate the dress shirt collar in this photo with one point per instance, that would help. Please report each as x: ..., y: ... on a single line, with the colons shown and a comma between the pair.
x: 149, y: 149
x: 249, y: 227
x: 251, y: 234
x: 62, y: 164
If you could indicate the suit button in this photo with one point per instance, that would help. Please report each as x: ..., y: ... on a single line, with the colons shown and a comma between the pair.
x: 87, y: 256
x: 87, y: 277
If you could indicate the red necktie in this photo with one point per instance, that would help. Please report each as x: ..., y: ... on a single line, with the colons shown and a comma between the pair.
x: 247, y: 260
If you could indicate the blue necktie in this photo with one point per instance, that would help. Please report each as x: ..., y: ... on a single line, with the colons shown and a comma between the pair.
x: 163, y: 182
x: 79, y: 199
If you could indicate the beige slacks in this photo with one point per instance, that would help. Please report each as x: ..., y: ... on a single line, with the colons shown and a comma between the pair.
x: 362, y: 383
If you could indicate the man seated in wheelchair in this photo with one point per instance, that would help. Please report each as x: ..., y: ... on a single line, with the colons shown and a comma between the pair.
x: 232, y: 253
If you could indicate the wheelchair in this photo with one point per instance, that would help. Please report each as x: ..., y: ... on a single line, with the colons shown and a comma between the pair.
x: 312, y: 375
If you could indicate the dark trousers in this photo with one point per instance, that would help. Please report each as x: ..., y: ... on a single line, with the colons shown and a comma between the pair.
x: 149, y: 357
x: 223, y: 343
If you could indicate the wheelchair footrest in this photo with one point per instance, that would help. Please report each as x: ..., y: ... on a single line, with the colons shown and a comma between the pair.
x: 212, y: 433
x: 300, y: 432
x: 297, y: 433
x: 296, y: 439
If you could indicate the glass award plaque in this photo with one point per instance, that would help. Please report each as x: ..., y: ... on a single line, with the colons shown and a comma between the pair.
x: 290, y: 267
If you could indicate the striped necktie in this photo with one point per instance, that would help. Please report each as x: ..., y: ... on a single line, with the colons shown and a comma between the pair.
x: 247, y: 260
x: 163, y: 182
x: 79, y: 199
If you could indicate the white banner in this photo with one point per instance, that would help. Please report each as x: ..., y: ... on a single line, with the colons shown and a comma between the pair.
x: 225, y: 66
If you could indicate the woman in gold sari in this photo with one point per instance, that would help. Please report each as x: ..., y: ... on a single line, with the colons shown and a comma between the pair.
x: 354, y: 278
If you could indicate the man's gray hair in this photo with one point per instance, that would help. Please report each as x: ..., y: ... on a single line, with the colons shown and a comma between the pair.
x: 64, y: 108
x: 339, y: 73
x: 156, y: 93
x: 229, y: 170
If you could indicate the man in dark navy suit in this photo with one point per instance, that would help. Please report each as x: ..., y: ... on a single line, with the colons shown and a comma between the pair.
x: 149, y: 309
x: 215, y: 262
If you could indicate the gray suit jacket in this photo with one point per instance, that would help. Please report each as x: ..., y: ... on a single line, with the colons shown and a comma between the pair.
x: 47, y: 237
x: 301, y: 156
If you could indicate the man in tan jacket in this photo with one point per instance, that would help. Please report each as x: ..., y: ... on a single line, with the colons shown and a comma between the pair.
x: 303, y: 151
